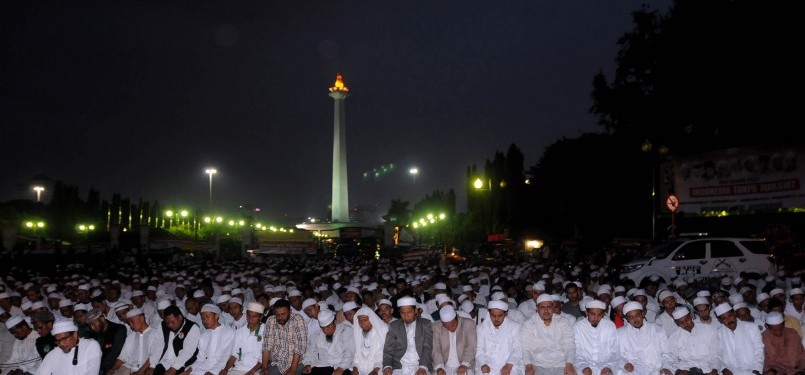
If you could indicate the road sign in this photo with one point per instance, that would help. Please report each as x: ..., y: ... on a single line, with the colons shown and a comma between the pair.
x: 672, y: 202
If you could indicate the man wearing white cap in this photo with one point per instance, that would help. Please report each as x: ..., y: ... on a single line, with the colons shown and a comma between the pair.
x: 644, y: 348
x: 369, y: 333
x: 454, y: 344
x: 331, y: 350
x: 238, y: 318
x: 741, y: 343
x: 408, y: 348
x: 75, y: 356
x: 703, y: 311
x: 432, y: 304
x: 179, y: 344
x: 783, y: 347
x: 385, y: 310
x: 548, y: 343
x: 694, y: 345
x: 247, y: 354
x: 138, y: 300
x: 597, y: 349
x: 793, y: 307
x: 529, y: 306
x: 5, y: 303
x: 665, y: 317
x: 24, y: 358
x: 498, y: 351
x: 141, y: 347
x: 215, y: 344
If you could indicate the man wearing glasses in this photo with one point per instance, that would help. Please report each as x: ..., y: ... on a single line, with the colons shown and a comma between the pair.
x: 644, y: 347
x: 74, y: 357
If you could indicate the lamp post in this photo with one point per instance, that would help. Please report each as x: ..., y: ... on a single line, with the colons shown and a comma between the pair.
x: 413, y: 172
x: 211, y: 171
x: 648, y: 147
x: 34, y: 226
x: 39, y: 190
x: 86, y: 229
x: 478, y: 184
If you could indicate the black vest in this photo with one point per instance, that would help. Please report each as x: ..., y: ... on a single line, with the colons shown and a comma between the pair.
x: 178, y: 342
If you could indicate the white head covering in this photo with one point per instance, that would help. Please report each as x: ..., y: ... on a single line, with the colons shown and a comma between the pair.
x: 13, y: 321
x: 406, y: 301
x: 211, y: 308
x: 134, y: 312
x: 762, y: 297
x: 163, y: 304
x: 722, y: 308
x: 349, y: 305
x: 663, y: 295
x: 680, y: 313
x: 325, y: 317
x: 700, y: 301
x: 377, y: 334
x: 595, y: 304
x: 544, y: 298
x: 499, y: 305
x: 256, y: 307
x: 63, y: 326
x: 774, y: 318
x: 447, y: 313
x: 307, y: 303
x: 617, y: 301
x: 384, y: 302
x: 631, y: 306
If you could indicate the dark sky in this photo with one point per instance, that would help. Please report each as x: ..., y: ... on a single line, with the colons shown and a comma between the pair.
x: 139, y: 97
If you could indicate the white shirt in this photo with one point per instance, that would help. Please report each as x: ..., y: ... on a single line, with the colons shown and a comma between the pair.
x: 141, y: 347
x: 742, y: 349
x: 527, y: 308
x: 237, y: 324
x: 700, y: 348
x: 340, y: 352
x: 596, y: 347
x: 247, y: 349
x: 24, y: 355
x: 667, y: 322
x: 646, y: 348
x: 550, y: 346
x: 214, y: 349
x: 498, y: 346
x: 368, y: 345
x: 58, y: 362
x: 171, y: 359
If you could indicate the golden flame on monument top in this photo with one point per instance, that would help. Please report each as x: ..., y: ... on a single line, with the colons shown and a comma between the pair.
x: 339, y: 84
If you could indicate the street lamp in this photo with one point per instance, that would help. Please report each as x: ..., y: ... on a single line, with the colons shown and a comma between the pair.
x: 210, y: 171
x: 34, y: 226
x: 413, y: 172
x: 647, y: 147
x: 86, y: 228
x: 38, y: 190
x: 478, y: 184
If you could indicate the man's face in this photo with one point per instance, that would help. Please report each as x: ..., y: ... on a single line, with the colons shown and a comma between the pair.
x: 296, y: 302
x: 545, y: 310
x: 349, y: 314
x: 97, y: 326
x: 209, y: 319
x: 497, y: 316
x: 408, y: 314
x: 703, y: 311
x: 66, y: 340
x: 67, y: 311
x: 180, y: 292
x: 20, y: 331
x: 417, y: 289
x: 365, y: 323
x: 729, y: 320
x: 797, y: 300
x: 451, y: 325
x: 385, y: 312
x: 595, y: 316
x: 685, y: 322
x: 605, y: 298
x: 236, y: 310
x: 312, y: 311
x: 764, y: 305
x: 253, y: 318
x: 43, y: 328
x: 572, y: 294
x: 83, y: 295
x: 743, y: 314
x: 174, y: 322
x: 121, y: 314
x: 777, y: 329
x: 282, y: 314
x: 329, y: 329
x: 80, y: 316
x: 138, y: 301
x: 750, y: 297
x: 32, y: 295
x: 642, y: 299
x: 5, y: 303
x: 669, y: 304
x: 112, y: 294
x: 137, y: 323
x: 557, y: 307
x: 635, y: 318
x: 191, y: 305
x: 369, y: 299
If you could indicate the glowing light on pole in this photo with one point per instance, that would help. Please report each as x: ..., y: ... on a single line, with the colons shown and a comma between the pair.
x: 38, y: 190
x: 210, y: 171
x: 413, y: 172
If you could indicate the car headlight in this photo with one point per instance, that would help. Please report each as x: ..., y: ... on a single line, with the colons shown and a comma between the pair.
x: 632, y: 267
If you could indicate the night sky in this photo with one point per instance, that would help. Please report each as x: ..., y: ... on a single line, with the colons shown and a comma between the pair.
x: 139, y: 97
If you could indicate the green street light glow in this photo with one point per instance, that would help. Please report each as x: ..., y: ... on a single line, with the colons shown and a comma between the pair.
x: 207, y: 219
x: 219, y: 219
x: 478, y: 183
x: 169, y: 213
x: 184, y: 213
x: 442, y: 216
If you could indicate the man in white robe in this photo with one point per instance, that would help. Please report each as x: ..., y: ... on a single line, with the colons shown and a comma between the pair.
x: 369, y: 332
x: 331, y: 350
x: 215, y: 344
x: 597, y: 348
x: 247, y: 353
x: 548, y: 343
x: 24, y: 358
x: 74, y: 357
x: 694, y: 345
x: 141, y: 347
x: 644, y: 347
x: 498, y: 349
x: 665, y: 316
x: 741, y: 344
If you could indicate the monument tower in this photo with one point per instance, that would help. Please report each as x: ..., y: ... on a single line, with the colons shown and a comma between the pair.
x: 340, y: 199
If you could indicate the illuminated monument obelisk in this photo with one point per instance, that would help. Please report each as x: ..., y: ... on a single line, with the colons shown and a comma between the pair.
x: 340, y: 204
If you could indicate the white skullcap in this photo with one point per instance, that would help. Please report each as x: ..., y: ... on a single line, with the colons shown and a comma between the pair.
x: 467, y: 306
x: 544, y: 298
x: 604, y: 290
x: 63, y: 326
x: 442, y: 298
x: 236, y: 300
x: 134, y: 312
x: 65, y: 303
x: 137, y: 293
x: 122, y: 306
x: 722, y: 308
x: 295, y: 293
x: 617, y: 301
x: 406, y: 301
x: 795, y: 291
x: 325, y: 317
x: 81, y: 307
x: 466, y: 288
x: 498, y: 305
x: 256, y: 307
x: 703, y: 293
x: 595, y: 304
x: 223, y: 298
x: 735, y: 298
x: 163, y: 304
x: 619, y: 289
x: 639, y: 292
x: 680, y: 313
x: 198, y: 294
x: 762, y: 297
x: 237, y: 291
x: 37, y: 305
x: 539, y: 286
x: 497, y: 296
x: 211, y: 308
x: 726, y: 281
x: 274, y: 300
x: 349, y: 305
x: 740, y: 305
x: 440, y: 286
x: 447, y: 313
x: 700, y: 301
x: 631, y: 306
x: 776, y: 291
x: 665, y: 294
x: 384, y: 302
x: 308, y: 302
x: 774, y: 318
x: 680, y: 282
x: 13, y: 321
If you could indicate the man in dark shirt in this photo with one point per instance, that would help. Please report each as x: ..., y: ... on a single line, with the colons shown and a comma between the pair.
x: 573, y: 293
x: 110, y: 335
x: 43, y: 324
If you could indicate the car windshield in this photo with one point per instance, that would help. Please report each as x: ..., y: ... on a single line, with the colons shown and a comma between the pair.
x: 663, y: 250
x: 757, y: 246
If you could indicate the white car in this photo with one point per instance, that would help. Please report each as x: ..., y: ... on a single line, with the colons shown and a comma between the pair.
x: 707, y: 257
